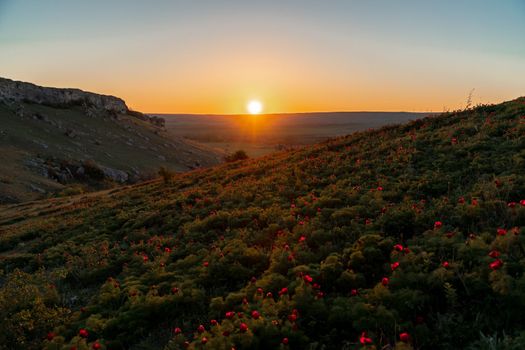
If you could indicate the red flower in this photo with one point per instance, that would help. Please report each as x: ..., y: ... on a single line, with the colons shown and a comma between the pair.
x: 511, y: 204
x: 253, y: 279
x: 283, y: 291
x: 461, y: 200
x: 177, y: 331
x: 255, y: 314
x: 354, y: 292
x: 495, y: 265
x: 167, y: 250
x: 243, y: 327
x: 474, y: 202
x: 404, y: 337
x: 302, y: 239
x: 83, y: 333
x: 96, y: 346
x: 364, y: 340
x: 494, y: 254
x: 394, y: 266
x: 398, y: 247
x: 230, y: 314
x: 201, y: 329
x: 204, y: 340
x: 308, y: 279
x: 445, y: 264
x: 269, y: 295
x: 292, y: 318
x: 522, y: 202
x: 320, y: 295
x: 385, y: 281
x: 260, y: 291
x: 206, y: 264
x: 145, y: 258
x: 50, y: 336
x: 213, y: 322
x: 501, y: 232
x: 285, y: 341
x: 174, y: 290
x: 379, y: 188
x: 438, y: 225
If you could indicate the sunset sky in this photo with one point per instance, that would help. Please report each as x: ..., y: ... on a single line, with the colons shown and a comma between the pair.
x: 294, y: 56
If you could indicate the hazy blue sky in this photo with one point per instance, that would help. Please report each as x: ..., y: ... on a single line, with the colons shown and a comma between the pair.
x: 213, y: 56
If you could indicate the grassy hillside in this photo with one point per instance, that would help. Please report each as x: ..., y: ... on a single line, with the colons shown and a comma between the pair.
x: 42, y: 147
x: 409, y: 236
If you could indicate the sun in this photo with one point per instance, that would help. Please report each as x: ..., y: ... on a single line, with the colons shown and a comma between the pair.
x: 254, y: 107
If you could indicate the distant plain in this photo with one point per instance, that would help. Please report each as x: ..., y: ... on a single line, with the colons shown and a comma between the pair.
x: 262, y: 134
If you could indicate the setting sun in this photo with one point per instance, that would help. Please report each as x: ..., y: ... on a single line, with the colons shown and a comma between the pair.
x: 254, y: 107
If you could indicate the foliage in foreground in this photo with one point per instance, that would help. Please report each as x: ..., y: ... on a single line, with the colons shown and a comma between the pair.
x: 407, y: 237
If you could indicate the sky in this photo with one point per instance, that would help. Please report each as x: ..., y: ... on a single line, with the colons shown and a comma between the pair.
x: 213, y: 56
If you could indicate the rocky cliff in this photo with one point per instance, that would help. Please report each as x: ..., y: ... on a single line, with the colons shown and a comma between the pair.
x: 17, y: 91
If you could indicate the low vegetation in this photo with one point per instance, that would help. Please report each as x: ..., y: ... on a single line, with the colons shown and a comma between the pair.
x: 406, y: 237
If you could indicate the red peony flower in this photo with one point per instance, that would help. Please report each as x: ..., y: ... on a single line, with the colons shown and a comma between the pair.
x: 174, y: 290
x: 83, y: 333
x: 364, y: 340
x: 501, y: 231
x: 285, y: 341
x: 385, y: 281
x: 404, y: 337
x: 394, y: 266
x: 512, y: 204
x: 260, y: 291
x: 354, y: 292
x: 461, y: 200
x: 201, y: 329
x: 255, y: 314
x: 243, y: 327
x: 96, y: 346
x: 495, y: 265
x: 438, y: 225
x: 204, y: 340
x: 177, y: 331
x: 308, y: 278
x: 230, y: 314
x: 292, y: 318
x: 214, y: 322
x: 398, y: 247
x: 494, y: 254
x: 206, y: 264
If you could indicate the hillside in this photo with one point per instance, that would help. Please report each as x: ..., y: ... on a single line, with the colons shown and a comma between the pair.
x: 56, y: 141
x: 409, y: 236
